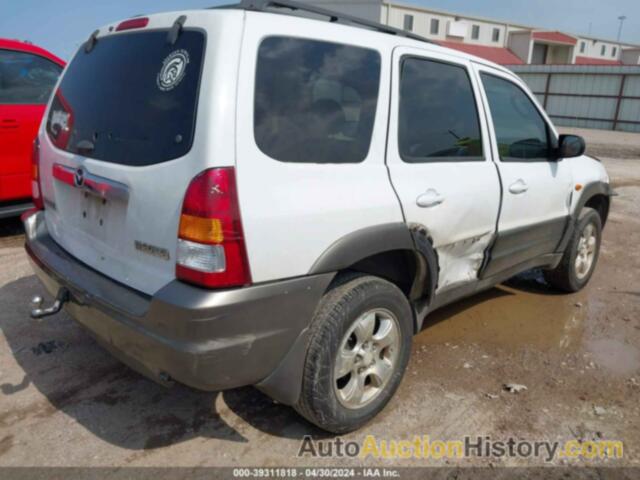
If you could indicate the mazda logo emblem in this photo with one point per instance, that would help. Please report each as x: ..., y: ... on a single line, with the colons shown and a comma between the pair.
x: 78, y: 177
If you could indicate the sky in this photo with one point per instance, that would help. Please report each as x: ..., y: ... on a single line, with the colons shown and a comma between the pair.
x: 61, y: 26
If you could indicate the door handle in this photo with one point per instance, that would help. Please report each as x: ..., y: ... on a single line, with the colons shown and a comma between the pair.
x: 8, y: 123
x: 430, y: 198
x: 519, y: 187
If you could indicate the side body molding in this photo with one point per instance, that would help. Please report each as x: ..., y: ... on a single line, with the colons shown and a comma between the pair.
x: 379, y: 239
x: 285, y: 382
x: 361, y: 244
x: 588, y: 192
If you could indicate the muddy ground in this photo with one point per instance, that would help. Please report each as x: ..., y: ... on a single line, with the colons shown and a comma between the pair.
x: 65, y: 402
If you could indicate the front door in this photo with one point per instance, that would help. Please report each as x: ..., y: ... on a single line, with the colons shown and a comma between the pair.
x: 537, y: 185
x: 439, y: 159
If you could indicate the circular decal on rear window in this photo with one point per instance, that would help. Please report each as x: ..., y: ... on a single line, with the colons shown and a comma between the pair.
x: 173, y: 70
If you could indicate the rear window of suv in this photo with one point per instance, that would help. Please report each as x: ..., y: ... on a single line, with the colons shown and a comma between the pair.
x: 131, y: 100
x: 315, y: 102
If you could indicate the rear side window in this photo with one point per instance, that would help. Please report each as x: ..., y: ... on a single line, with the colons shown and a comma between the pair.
x: 521, y: 131
x: 315, y: 102
x: 438, y: 118
x: 26, y: 78
x: 131, y: 100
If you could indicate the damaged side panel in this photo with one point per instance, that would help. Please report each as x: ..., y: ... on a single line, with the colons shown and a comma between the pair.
x: 461, y: 261
x: 439, y: 160
x: 461, y: 228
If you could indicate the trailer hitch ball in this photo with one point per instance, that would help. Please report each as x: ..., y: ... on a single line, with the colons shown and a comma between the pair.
x: 37, y: 301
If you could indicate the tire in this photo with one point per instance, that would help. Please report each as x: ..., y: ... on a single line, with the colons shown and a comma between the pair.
x: 343, y: 319
x: 568, y: 276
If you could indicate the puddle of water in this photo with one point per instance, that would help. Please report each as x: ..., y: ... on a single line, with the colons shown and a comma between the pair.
x: 523, y: 313
x: 617, y: 357
x: 526, y: 313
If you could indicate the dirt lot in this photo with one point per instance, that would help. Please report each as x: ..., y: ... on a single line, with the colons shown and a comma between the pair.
x: 65, y: 402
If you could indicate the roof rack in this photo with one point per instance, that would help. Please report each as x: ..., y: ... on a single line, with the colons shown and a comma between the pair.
x: 333, y: 17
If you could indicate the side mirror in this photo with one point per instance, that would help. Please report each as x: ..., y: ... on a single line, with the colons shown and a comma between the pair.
x: 571, y: 146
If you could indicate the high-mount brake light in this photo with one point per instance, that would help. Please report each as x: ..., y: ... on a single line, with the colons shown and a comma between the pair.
x: 211, y: 249
x: 132, y: 24
x: 36, y: 190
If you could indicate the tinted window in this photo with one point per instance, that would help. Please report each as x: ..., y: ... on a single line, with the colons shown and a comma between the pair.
x: 26, y: 78
x: 521, y: 131
x: 496, y: 35
x: 438, y: 119
x: 315, y: 102
x: 475, y: 32
x: 134, y: 96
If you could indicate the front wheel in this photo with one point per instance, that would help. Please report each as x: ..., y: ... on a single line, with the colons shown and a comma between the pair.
x: 359, y: 346
x: 581, y: 256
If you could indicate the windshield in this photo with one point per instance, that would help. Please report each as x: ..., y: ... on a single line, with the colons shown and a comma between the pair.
x: 131, y: 100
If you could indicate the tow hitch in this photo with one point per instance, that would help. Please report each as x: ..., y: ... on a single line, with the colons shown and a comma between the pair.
x: 39, y: 312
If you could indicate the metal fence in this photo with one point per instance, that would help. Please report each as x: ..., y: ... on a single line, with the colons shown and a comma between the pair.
x: 603, y: 97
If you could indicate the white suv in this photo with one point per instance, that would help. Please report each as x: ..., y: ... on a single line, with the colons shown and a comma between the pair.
x: 238, y: 196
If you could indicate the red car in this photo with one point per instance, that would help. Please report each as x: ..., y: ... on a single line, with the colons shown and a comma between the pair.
x: 28, y: 74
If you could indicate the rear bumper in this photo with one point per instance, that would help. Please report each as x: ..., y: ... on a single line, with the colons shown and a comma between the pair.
x: 207, y: 340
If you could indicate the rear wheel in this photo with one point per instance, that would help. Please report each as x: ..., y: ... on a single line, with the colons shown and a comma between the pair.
x: 581, y: 256
x: 359, y: 347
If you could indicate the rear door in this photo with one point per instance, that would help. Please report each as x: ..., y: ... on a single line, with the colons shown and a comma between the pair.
x: 133, y: 121
x: 439, y: 157
x: 26, y: 81
x: 537, y: 186
x: 311, y: 140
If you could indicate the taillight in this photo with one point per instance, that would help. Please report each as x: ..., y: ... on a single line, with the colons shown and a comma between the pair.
x: 36, y: 190
x: 60, y: 122
x: 140, y: 22
x: 211, y: 250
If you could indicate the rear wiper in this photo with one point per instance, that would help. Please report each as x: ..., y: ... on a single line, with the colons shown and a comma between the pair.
x: 174, y: 33
x: 93, y: 39
x: 85, y: 146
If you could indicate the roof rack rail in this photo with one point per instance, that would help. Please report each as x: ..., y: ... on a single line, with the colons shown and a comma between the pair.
x: 333, y: 16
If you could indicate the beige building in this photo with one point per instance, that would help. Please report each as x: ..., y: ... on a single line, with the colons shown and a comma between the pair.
x: 499, y: 41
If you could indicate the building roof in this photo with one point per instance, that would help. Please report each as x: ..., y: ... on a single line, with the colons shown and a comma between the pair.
x: 596, y: 61
x: 499, y: 55
x: 555, y: 37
